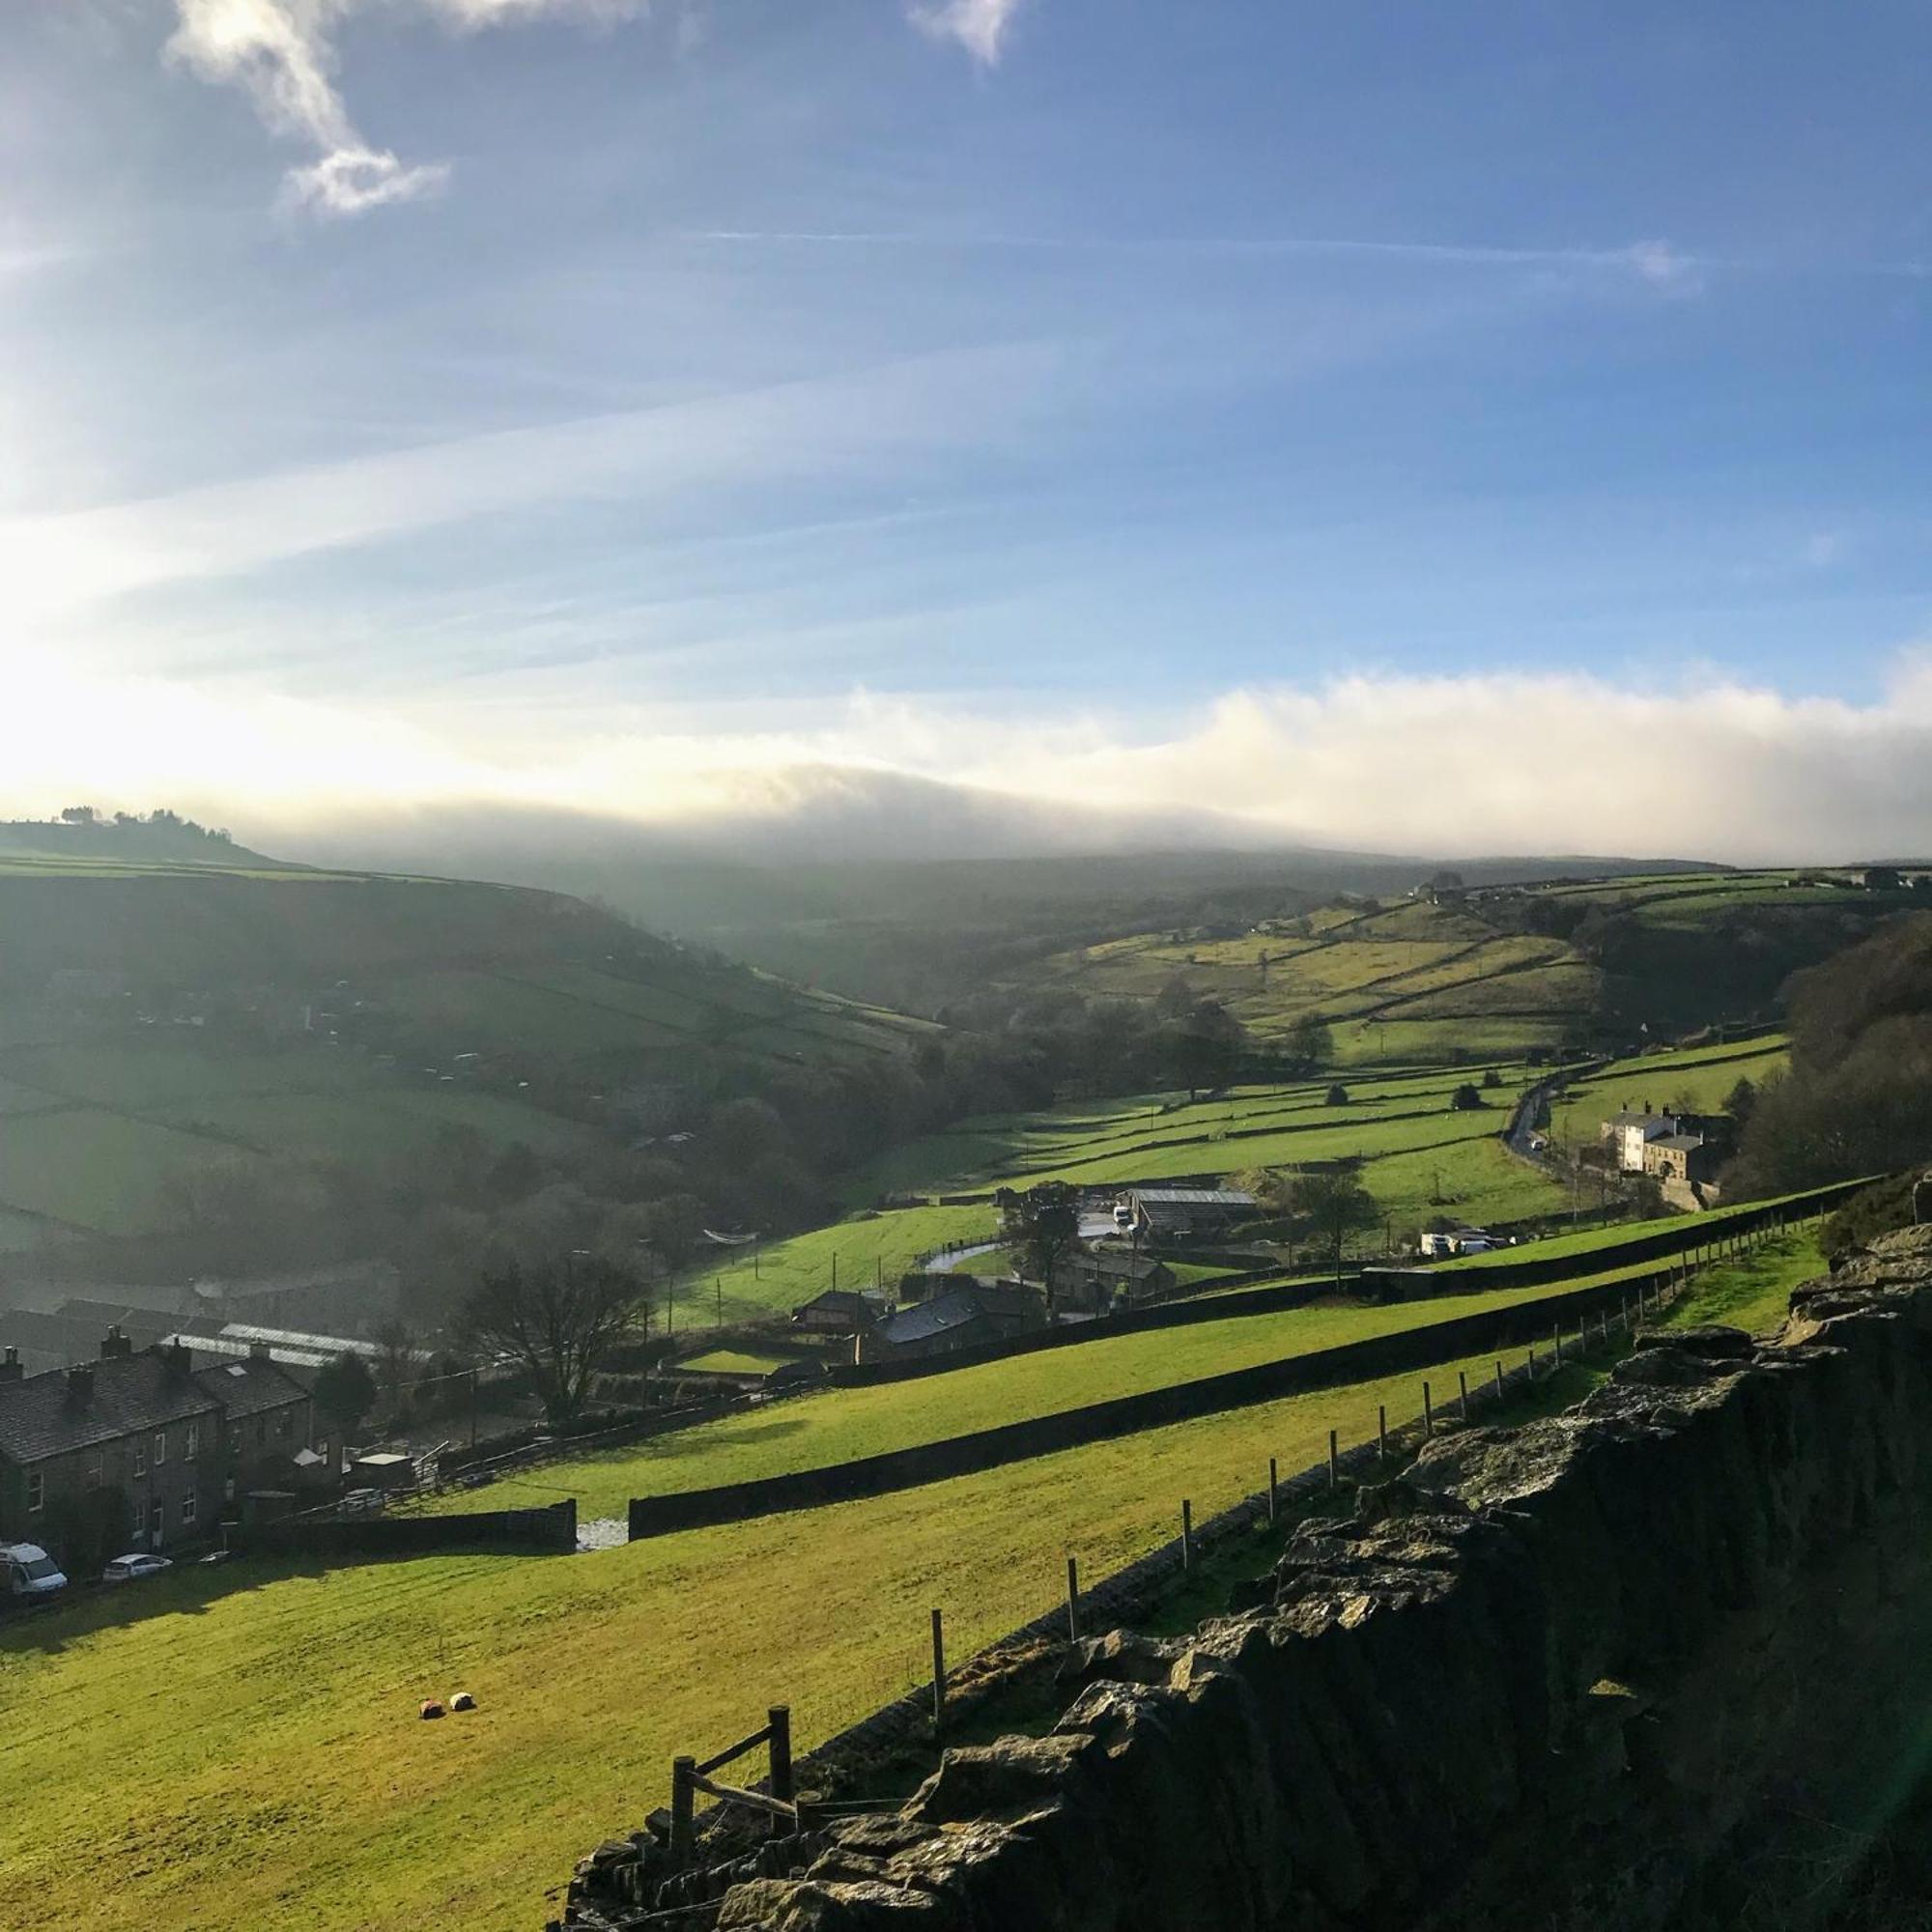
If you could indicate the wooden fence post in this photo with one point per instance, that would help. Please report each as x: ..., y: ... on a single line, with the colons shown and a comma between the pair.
x: 1382, y: 1431
x: 1334, y: 1461
x: 1557, y: 1335
x: 1273, y: 1485
x: 1500, y: 1397
x: 938, y: 1671
x: 1427, y: 1415
x: 683, y: 1805
x: 778, y: 1717
x: 1186, y: 1534
x: 1463, y: 1381
x: 1073, y: 1600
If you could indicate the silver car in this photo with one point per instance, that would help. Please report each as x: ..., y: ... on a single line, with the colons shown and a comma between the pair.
x: 131, y: 1569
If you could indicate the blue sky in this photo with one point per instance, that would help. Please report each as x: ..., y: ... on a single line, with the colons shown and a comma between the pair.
x: 593, y: 402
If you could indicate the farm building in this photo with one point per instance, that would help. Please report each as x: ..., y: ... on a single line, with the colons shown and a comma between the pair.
x: 1690, y: 1160
x: 1176, y: 1216
x: 1629, y: 1132
x: 960, y: 1317
x: 348, y: 1298
x: 1096, y: 1279
x: 839, y: 1311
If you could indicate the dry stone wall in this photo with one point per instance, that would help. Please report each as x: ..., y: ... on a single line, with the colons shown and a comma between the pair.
x: 1651, y: 1664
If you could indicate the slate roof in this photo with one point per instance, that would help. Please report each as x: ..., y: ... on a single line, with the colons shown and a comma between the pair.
x: 250, y: 1386
x: 1192, y: 1197
x: 1679, y: 1143
x: 140, y: 1323
x: 861, y: 1304
x: 40, y: 1418
x: 924, y: 1319
x: 1114, y: 1261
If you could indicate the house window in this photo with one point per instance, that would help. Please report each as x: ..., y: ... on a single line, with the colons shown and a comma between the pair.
x: 187, y: 1509
x: 191, y: 1441
x: 140, y: 1457
x: 160, y: 1447
x: 281, y: 1422
x: 37, y: 1490
x: 322, y: 1448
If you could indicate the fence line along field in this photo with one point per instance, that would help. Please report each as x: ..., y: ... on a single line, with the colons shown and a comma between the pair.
x: 837, y: 1425
x: 243, y: 1750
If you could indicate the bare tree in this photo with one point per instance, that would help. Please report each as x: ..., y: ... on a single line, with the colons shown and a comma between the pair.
x: 559, y: 1320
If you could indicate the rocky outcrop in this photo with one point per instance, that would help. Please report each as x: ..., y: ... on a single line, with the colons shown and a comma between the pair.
x: 1647, y: 1663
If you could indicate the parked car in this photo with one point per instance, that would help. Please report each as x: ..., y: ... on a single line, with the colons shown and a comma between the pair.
x: 133, y: 1568
x: 27, y: 1572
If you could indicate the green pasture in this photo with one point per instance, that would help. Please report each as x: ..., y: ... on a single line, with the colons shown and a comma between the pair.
x: 839, y: 1425
x: 1405, y: 982
x: 102, y: 1171
x: 1159, y: 1135
x: 1686, y: 1079
x: 734, y: 1362
x: 239, y: 1748
x: 866, y: 1251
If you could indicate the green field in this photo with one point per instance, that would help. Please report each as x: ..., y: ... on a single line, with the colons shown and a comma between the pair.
x: 734, y: 1362
x: 817, y: 1431
x: 1401, y: 983
x: 839, y: 1425
x: 199, y: 1008
x: 1419, y: 1157
x: 864, y: 1252
x: 245, y: 1752
x: 1679, y: 1080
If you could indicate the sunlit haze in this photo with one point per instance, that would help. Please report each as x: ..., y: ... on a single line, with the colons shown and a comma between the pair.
x: 1500, y: 435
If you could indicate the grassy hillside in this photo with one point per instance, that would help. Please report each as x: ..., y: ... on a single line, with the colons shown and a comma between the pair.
x: 1683, y: 1080
x: 243, y: 1750
x: 1398, y: 985
x: 177, y: 1015
x: 1399, y: 1124
x: 1498, y: 970
x: 818, y: 1430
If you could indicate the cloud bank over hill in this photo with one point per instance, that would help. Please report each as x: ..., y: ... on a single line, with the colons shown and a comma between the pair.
x: 1498, y: 763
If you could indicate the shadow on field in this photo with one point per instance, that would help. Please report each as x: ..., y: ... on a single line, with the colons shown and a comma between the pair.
x: 189, y: 1590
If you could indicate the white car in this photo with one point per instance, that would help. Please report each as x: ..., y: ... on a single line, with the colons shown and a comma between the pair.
x: 28, y: 1572
x: 131, y: 1569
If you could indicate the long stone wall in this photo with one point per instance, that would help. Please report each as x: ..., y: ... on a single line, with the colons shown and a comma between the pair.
x: 549, y: 1530
x: 1532, y: 1267
x: 1410, y: 1348
x: 1660, y: 1663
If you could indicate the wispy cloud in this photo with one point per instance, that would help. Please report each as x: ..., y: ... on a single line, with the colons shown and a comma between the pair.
x: 979, y: 26
x: 856, y: 423
x: 1657, y: 263
x: 284, y: 53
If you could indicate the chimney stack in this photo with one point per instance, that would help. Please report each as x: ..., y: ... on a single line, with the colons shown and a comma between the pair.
x: 258, y: 1352
x: 176, y: 1355
x: 11, y: 1370
x: 115, y: 1344
x: 80, y: 1384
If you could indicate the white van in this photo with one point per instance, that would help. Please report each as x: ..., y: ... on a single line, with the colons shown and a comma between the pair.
x: 27, y: 1572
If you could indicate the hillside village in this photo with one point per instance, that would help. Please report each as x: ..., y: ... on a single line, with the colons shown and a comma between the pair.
x: 1087, y: 1297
